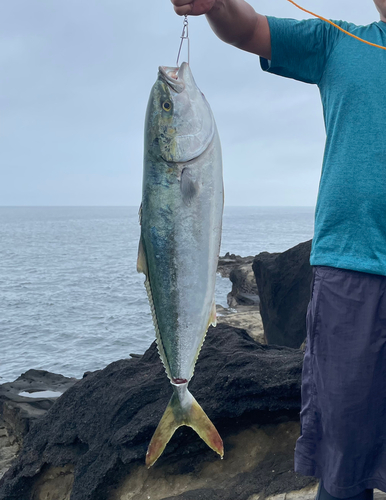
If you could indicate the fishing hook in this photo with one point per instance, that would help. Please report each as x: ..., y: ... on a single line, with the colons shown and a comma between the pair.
x: 184, y: 36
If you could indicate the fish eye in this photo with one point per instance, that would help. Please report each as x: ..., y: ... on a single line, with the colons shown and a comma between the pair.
x: 167, y: 106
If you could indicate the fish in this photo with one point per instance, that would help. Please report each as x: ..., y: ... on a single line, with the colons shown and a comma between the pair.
x: 181, y: 222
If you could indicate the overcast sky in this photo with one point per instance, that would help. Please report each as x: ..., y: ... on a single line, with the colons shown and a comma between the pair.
x: 75, y: 77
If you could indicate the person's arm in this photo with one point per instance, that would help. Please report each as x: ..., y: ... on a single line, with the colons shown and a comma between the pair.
x: 234, y: 21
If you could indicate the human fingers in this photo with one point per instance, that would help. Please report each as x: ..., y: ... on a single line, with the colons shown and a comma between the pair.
x: 182, y: 7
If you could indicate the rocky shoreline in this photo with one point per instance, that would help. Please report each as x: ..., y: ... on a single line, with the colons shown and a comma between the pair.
x: 93, y: 439
x: 68, y: 439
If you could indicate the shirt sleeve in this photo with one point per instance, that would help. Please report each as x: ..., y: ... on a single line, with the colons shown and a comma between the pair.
x: 300, y: 49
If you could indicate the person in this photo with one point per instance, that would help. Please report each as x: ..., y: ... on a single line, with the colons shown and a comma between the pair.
x: 343, y: 414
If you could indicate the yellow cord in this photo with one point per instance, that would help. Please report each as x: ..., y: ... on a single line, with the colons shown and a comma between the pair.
x: 336, y: 26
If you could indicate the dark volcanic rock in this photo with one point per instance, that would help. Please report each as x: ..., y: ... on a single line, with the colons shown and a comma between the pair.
x: 284, y: 280
x: 101, y: 426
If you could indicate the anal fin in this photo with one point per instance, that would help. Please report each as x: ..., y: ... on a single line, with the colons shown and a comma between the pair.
x: 189, y: 186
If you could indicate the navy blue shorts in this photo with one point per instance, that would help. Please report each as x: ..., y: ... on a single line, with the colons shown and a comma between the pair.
x: 343, y: 416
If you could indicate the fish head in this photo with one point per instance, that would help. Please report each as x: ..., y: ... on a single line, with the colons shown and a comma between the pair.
x: 180, y: 123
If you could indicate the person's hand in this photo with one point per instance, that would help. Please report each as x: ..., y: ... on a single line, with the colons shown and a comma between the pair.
x: 192, y: 7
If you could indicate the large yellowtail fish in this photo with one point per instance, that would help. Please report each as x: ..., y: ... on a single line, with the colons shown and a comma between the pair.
x: 181, y: 217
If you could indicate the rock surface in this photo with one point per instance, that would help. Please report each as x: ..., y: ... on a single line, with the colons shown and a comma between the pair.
x: 29, y: 397
x: 244, y: 290
x: 308, y: 493
x: 22, y: 402
x: 243, y: 300
x: 9, y: 448
x: 245, y: 317
x: 91, y: 444
x: 230, y: 261
x: 284, y: 280
x: 239, y: 270
x: 255, y: 460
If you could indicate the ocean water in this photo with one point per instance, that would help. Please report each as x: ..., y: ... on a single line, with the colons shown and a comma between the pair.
x: 70, y: 297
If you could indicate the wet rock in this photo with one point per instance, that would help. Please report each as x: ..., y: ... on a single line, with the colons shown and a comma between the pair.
x: 94, y: 438
x: 284, y: 280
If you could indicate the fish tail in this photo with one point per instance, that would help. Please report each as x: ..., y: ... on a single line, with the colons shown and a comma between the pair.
x: 179, y: 412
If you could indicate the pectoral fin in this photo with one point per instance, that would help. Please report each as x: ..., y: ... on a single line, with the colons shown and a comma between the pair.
x: 189, y: 186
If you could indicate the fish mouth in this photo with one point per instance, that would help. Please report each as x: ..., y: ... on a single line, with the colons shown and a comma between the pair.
x: 173, y: 77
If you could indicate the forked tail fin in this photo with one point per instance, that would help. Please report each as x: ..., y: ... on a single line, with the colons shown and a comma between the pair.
x: 182, y: 409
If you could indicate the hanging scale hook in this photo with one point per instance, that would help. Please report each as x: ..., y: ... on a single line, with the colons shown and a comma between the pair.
x: 184, y: 36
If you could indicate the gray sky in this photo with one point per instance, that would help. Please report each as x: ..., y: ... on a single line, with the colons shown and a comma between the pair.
x: 75, y: 77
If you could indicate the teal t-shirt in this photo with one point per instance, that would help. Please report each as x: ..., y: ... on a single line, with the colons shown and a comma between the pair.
x: 350, y: 218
